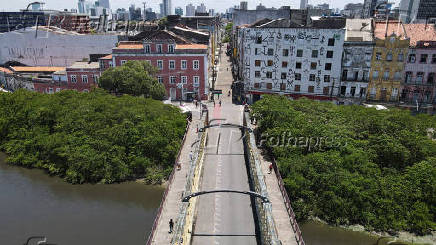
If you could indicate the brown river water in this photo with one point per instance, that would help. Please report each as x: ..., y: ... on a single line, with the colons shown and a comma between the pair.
x: 33, y: 203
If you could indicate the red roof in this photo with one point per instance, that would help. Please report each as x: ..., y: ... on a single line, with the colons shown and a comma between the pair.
x: 5, y: 70
x: 416, y: 32
x: 191, y: 46
x: 107, y: 57
x: 130, y: 45
x: 37, y: 68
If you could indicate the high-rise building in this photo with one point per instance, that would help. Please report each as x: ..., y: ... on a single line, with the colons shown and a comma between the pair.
x: 417, y: 11
x: 211, y: 12
x: 243, y: 5
x: 81, y: 6
x: 178, y: 11
x: 190, y: 10
x: 166, y: 4
x: 303, y: 4
x: 104, y: 4
x: 370, y: 6
x: 201, y: 8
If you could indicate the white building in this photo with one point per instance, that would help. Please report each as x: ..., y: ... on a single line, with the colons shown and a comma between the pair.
x: 279, y: 57
x: 356, y: 61
x: 52, y: 47
x: 190, y: 10
x: 201, y: 8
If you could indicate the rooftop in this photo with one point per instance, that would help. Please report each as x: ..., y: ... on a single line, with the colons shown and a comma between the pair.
x: 359, y: 30
x: 420, y: 32
x: 107, y: 57
x: 36, y: 68
x: 129, y: 45
x: 319, y: 23
x: 5, y: 70
x: 85, y: 65
x: 191, y: 46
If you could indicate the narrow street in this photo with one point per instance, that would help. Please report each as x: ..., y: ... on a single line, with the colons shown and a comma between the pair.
x: 224, y: 218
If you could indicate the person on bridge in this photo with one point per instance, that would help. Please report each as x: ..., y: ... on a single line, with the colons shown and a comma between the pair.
x: 220, y: 102
x: 171, y: 225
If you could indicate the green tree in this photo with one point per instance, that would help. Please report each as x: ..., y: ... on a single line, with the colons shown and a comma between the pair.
x: 133, y: 78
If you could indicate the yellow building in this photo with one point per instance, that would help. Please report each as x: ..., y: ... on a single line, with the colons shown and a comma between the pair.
x: 388, y: 60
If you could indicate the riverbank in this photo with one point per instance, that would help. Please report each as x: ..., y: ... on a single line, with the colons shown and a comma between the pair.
x: 402, y: 237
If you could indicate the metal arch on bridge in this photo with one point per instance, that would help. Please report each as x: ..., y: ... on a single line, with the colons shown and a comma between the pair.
x: 227, y: 125
x: 251, y: 193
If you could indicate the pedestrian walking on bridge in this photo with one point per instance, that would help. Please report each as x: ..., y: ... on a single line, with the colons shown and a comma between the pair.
x: 171, y: 225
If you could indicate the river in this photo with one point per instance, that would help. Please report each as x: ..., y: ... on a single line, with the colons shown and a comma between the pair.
x: 33, y: 203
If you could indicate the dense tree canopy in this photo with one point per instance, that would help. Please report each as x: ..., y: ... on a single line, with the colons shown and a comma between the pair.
x: 91, y: 137
x: 134, y: 78
x: 353, y: 165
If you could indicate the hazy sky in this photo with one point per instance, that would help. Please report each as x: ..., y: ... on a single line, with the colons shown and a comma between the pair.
x: 220, y: 5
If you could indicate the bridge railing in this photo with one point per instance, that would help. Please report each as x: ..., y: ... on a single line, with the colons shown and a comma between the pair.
x: 294, y: 223
x: 164, y: 196
x: 268, y: 230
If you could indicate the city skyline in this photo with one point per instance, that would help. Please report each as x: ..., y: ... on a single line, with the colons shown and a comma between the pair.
x: 220, y: 6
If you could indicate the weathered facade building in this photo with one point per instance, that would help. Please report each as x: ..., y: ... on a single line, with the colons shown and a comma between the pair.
x: 356, y: 61
x: 280, y: 57
x: 388, y: 60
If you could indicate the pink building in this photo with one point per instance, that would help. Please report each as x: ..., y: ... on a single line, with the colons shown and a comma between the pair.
x: 182, y: 66
x: 419, y: 85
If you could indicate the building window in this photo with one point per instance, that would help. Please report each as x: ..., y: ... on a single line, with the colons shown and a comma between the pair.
x: 73, y: 78
x: 314, y: 53
x: 147, y: 49
x: 257, y: 63
x: 84, y: 78
x: 326, y: 90
x: 123, y: 62
x: 368, y: 57
x: 270, y: 63
x: 329, y: 54
x: 282, y: 86
x: 256, y: 51
x: 184, y: 65
x: 196, y: 64
x: 310, y: 89
x: 160, y: 79
x: 312, y: 77
x: 172, y: 64
x: 268, y: 74
x: 331, y: 42
x: 412, y: 58
x: 328, y: 66
x: 298, y: 76
x: 259, y: 40
x: 419, y: 77
x: 160, y: 64
x: 365, y: 76
x: 298, y: 65
x: 172, y: 79
x: 284, y: 64
x: 375, y: 74
x: 170, y: 48
x: 257, y: 74
x: 256, y: 85
x: 159, y: 48
x: 344, y: 75
x: 433, y: 59
x: 297, y: 88
x: 386, y: 74
x: 96, y: 79
x: 58, y: 90
x: 50, y: 90
x: 285, y: 52
x: 394, y: 93
x: 269, y: 85
x: 397, y: 75
x: 184, y: 79
x: 389, y: 56
x: 353, y: 91
x: 85, y: 91
x: 313, y: 65
x: 283, y: 76
x: 299, y: 53
x: 378, y: 56
x: 326, y: 78
x: 196, y: 81
x: 408, y: 78
x: 400, y: 57
x: 270, y: 51
x: 423, y: 58
x: 430, y: 78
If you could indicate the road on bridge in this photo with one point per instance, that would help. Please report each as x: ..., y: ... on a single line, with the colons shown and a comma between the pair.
x: 224, y: 218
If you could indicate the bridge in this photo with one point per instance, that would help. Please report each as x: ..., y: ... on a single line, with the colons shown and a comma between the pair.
x: 223, y: 193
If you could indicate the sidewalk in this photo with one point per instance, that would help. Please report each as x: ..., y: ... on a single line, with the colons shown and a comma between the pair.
x: 171, y: 207
x: 281, y: 218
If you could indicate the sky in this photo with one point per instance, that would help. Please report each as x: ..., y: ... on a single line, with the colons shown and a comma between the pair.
x: 220, y: 6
